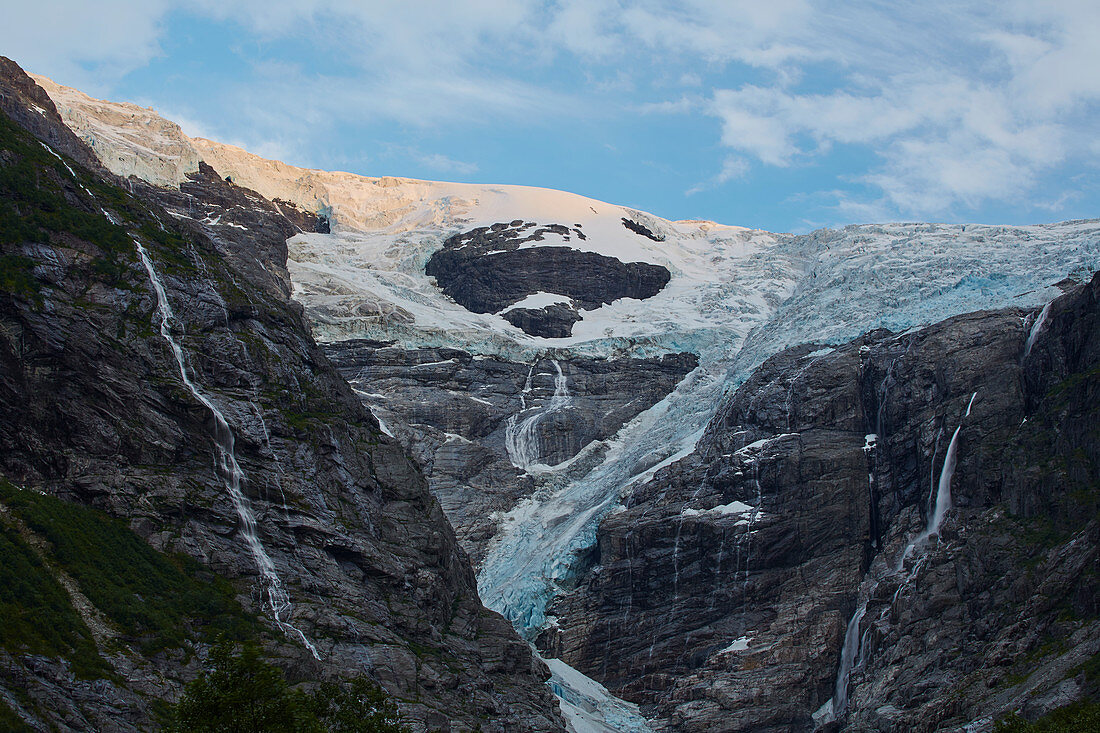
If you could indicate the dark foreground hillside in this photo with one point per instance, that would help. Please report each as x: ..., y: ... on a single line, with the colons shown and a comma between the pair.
x: 125, y: 544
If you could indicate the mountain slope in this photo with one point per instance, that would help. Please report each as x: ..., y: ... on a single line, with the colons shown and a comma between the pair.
x: 499, y: 392
x: 798, y: 528
x: 321, y: 523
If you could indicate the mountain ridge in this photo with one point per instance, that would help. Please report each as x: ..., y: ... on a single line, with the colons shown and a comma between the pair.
x: 553, y: 449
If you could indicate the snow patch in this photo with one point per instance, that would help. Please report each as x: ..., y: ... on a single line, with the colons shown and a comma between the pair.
x: 734, y: 507
x: 739, y: 644
x: 538, y: 301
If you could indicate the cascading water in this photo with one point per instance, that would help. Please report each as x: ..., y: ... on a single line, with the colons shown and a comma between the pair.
x: 521, y: 437
x: 835, y: 708
x: 847, y: 659
x: 943, y: 493
x: 226, y: 467
x: 1036, y: 328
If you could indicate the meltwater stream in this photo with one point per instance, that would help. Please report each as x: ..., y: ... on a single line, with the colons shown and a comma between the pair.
x: 521, y: 437
x: 851, y: 652
x: 227, y: 468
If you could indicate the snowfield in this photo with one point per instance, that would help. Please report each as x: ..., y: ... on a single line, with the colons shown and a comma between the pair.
x: 736, y: 297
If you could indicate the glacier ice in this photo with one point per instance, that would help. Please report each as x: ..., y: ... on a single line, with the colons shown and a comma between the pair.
x: 736, y: 297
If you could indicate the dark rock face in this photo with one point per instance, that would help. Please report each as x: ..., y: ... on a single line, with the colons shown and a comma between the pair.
x: 459, y: 416
x: 721, y: 595
x: 552, y: 322
x: 92, y: 409
x: 486, y: 271
x: 641, y: 229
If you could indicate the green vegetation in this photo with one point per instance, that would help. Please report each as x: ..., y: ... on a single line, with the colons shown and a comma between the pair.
x: 17, y: 274
x: 241, y: 692
x: 34, y: 206
x: 1075, y: 718
x: 11, y: 722
x: 32, y: 203
x: 1090, y: 668
x: 36, y: 615
x: 153, y: 598
x: 307, y: 421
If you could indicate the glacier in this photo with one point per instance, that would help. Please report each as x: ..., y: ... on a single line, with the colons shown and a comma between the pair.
x: 736, y: 297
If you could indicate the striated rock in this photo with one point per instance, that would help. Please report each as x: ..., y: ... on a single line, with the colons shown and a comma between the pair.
x: 463, y: 418
x: 92, y: 409
x: 720, y: 596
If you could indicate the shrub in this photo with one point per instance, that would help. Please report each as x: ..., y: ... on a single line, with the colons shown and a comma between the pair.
x: 240, y: 692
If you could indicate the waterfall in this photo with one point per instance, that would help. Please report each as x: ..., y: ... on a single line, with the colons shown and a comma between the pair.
x: 226, y: 467
x: 526, y: 388
x: 835, y: 708
x: 521, y: 437
x: 847, y: 659
x: 943, y: 494
x: 1036, y: 328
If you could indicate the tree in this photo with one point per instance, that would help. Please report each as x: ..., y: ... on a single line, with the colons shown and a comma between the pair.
x: 242, y: 693
x: 357, y: 706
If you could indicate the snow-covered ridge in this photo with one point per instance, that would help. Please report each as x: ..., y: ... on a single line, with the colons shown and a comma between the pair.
x: 128, y: 139
x: 736, y: 296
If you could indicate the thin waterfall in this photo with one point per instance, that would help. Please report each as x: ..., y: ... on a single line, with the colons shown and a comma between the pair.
x: 1036, y: 328
x: 847, y: 659
x: 852, y: 639
x: 227, y: 468
x: 943, y: 493
x: 521, y: 437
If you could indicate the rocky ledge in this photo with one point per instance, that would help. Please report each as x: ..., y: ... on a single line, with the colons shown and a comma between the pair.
x: 488, y: 269
x: 725, y: 594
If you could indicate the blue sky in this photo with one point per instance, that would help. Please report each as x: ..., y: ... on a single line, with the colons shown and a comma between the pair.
x: 785, y: 115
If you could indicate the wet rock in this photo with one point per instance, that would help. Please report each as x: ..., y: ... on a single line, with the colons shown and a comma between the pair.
x: 721, y: 595
x: 93, y: 410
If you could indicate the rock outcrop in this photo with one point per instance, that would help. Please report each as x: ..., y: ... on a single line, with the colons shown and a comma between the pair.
x: 486, y: 430
x: 487, y: 269
x: 721, y: 598
x: 93, y: 410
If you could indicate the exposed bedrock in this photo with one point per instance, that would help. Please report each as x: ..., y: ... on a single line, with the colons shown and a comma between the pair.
x: 476, y: 423
x: 721, y: 595
x: 551, y: 322
x: 487, y: 269
x: 93, y: 410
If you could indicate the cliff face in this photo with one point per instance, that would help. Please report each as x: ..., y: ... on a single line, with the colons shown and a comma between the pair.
x: 486, y: 430
x: 94, y: 410
x: 725, y: 594
x: 488, y: 269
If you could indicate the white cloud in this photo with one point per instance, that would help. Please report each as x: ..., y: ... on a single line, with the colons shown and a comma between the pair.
x: 733, y: 168
x: 982, y: 119
x: 86, y: 44
x: 959, y: 103
x: 442, y: 163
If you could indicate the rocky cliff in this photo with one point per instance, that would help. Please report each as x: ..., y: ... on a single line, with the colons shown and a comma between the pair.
x: 488, y: 269
x: 488, y: 431
x: 152, y: 366
x: 790, y: 574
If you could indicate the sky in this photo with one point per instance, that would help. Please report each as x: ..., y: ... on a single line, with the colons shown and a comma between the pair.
x: 786, y: 115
